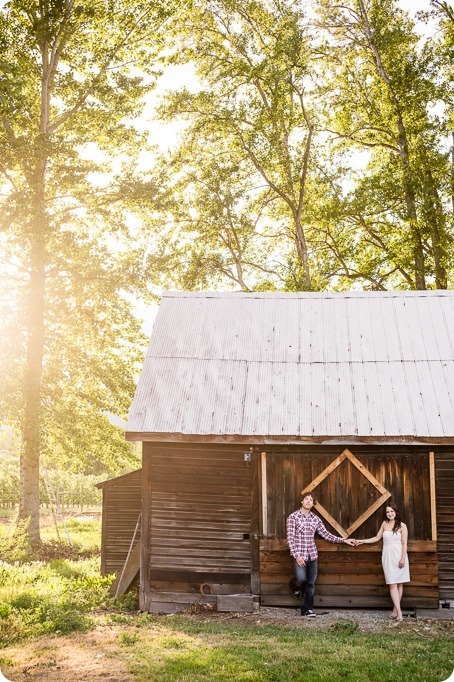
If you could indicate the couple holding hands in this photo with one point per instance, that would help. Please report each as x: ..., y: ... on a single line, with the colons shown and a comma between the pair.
x: 301, y: 528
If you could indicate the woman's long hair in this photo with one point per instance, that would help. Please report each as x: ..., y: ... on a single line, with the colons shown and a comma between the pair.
x: 398, y: 520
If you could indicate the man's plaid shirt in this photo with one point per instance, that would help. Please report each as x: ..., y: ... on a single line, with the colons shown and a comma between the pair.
x: 301, y: 531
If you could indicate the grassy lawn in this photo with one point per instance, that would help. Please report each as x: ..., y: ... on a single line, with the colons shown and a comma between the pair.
x: 184, y: 650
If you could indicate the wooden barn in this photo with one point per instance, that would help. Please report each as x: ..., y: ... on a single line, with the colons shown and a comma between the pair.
x: 244, y: 401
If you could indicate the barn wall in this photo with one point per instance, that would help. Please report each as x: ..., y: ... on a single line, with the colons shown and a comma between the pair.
x: 121, y: 509
x: 444, y: 469
x: 350, y: 576
x: 204, y: 506
x: 198, y: 524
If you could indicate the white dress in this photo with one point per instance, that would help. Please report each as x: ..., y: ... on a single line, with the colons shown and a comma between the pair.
x: 391, y: 555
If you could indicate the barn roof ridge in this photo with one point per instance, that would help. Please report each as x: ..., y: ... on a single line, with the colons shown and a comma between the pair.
x: 389, y: 293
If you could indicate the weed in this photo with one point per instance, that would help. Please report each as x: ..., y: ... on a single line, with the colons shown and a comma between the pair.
x: 345, y: 628
x: 129, y: 638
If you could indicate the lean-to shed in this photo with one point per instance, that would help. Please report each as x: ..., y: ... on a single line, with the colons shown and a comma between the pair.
x: 247, y: 399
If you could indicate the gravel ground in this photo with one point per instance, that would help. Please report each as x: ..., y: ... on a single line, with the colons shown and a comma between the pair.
x: 365, y: 621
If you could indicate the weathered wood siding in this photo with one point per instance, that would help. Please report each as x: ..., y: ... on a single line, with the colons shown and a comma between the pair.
x: 444, y: 468
x: 120, y: 511
x: 349, y: 576
x: 197, y: 524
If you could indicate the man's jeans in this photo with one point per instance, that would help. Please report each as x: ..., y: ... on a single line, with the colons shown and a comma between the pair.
x: 305, y: 577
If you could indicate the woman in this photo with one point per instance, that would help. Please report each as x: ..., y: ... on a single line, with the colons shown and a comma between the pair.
x: 394, y: 555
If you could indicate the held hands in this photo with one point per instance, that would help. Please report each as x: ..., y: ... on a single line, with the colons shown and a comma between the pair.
x: 350, y: 541
x: 353, y: 543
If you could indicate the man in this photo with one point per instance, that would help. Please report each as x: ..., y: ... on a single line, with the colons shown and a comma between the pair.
x: 301, y: 528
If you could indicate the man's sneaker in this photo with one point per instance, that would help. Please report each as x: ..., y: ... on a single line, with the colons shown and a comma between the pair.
x: 296, y: 594
x: 309, y: 613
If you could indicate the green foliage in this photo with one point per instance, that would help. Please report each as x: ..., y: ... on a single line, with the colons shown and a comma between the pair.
x: 39, y: 598
x: 71, y: 489
x: 246, y: 168
x: 311, y: 157
x: 70, y: 344
x: 346, y: 628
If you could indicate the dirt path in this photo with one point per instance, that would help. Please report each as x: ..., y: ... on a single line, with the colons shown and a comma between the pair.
x: 74, y: 658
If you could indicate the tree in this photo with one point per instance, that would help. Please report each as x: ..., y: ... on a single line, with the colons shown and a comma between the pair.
x: 255, y: 63
x: 76, y: 74
x: 385, y: 104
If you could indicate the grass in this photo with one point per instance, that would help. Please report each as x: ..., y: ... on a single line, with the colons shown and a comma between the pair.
x: 58, y: 596
x: 183, y: 648
x: 81, y: 539
x: 84, y: 531
x: 53, y: 595
x: 182, y: 651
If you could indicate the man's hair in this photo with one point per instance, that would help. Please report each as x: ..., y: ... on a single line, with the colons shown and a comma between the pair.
x: 307, y: 493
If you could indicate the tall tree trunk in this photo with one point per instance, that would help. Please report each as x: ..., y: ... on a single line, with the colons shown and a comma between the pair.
x: 436, y: 220
x: 300, y: 233
x: 32, y: 379
x: 301, y: 248
x: 30, y: 445
x: 452, y: 172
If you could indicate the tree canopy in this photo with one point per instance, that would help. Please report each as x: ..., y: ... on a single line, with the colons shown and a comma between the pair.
x: 316, y: 152
x: 75, y: 75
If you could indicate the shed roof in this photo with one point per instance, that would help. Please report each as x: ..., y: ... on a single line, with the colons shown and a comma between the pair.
x: 265, y: 367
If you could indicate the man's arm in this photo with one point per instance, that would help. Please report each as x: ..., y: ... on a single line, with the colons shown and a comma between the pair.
x: 321, y: 530
x: 291, y: 541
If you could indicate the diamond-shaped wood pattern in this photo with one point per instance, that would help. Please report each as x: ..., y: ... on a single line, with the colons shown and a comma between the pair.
x: 385, y: 494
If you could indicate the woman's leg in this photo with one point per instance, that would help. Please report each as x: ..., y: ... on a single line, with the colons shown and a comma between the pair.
x: 396, y: 596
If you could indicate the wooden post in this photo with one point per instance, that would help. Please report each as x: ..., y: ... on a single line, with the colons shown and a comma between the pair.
x: 433, y: 500
x: 264, y: 496
x: 255, y: 524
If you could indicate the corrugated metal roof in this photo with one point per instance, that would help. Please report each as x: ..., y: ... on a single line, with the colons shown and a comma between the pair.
x: 299, y: 365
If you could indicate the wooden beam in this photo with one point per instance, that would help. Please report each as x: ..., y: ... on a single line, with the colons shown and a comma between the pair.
x: 174, y: 437
x: 359, y: 521
x: 346, y: 454
x: 127, y: 574
x: 365, y: 472
x: 327, y: 516
x: 255, y: 524
x: 264, y: 496
x: 329, y: 469
x: 433, y: 499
